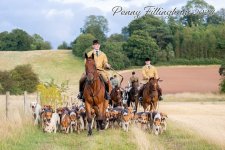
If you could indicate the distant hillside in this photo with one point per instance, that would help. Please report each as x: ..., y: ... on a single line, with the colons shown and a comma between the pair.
x: 61, y: 64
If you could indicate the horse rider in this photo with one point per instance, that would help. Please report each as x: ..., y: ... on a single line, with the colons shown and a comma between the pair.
x: 149, y: 71
x: 102, y: 64
x: 115, y: 81
x: 133, y: 78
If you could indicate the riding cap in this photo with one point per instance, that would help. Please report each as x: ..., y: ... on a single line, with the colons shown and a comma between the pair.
x: 95, y: 42
x: 147, y: 59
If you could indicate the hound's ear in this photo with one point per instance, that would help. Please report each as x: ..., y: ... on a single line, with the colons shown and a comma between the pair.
x: 92, y: 56
x: 86, y: 56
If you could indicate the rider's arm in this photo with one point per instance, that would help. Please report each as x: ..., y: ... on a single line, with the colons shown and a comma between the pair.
x: 144, y: 73
x: 156, y: 74
x: 105, y: 62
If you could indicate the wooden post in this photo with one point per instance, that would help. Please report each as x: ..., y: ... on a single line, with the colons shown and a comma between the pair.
x: 24, y: 102
x: 6, y: 104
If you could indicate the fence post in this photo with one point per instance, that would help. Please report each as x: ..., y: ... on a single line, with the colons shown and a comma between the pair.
x: 6, y: 104
x: 25, y: 100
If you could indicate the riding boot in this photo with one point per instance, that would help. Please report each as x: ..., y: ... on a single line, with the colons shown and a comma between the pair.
x: 107, y: 95
x: 81, y: 88
x: 106, y: 83
x: 141, y: 93
x: 160, y: 93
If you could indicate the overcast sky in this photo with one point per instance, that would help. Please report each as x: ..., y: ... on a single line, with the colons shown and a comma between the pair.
x: 61, y: 20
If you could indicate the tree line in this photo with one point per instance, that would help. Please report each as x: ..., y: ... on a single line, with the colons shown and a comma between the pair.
x: 191, y: 39
x: 19, y: 40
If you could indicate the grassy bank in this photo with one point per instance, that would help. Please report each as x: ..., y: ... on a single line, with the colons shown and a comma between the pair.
x: 33, y: 138
x: 176, y: 137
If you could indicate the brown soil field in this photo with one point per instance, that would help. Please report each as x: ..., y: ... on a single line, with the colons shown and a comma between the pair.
x: 183, y: 79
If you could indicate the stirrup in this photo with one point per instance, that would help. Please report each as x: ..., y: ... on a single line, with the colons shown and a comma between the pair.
x: 80, y: 96
x: 107, y: 96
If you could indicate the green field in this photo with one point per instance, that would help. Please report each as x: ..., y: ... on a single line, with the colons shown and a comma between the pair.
x: 61, y: 64
x: 175, y: 137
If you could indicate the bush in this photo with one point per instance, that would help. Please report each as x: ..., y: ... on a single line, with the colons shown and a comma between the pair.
x: 5, y: 81
x: 1, y: 88
x: 20, y: 79
x: 81, y: 43
x: 222, y: 86
x: 116, y: 57
x: 53, y: 94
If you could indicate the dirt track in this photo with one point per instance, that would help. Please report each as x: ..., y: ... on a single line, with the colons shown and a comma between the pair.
x: 203, y: 79
x: 206, y: 119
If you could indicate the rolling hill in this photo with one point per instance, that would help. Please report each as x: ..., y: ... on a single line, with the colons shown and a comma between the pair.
x: 58, y: 64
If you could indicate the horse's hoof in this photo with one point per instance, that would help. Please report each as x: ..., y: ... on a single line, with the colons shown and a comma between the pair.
x: 89, y: 133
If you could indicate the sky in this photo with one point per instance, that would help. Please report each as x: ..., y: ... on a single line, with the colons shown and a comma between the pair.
x: 60, y: 20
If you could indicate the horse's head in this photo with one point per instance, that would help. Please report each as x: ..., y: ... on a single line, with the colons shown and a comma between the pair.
x: 90, y: 68
x: 118, y: 92
x: 135, y: 86
x: 153, y: 84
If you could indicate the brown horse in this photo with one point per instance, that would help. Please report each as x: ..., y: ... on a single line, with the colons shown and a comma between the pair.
x: 150, y: 94
x: 116, y: 97
x: 133, y: 95
x: 94, y: 91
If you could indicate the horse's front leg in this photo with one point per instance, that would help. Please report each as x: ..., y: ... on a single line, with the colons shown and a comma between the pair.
x: 151, y: 106
x: 136, y: 104
x: 89, y: 117
x: 155, y: 103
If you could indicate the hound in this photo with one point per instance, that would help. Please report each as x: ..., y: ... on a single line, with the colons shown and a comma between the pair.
x: 53, y: 124
x: 36, y: 111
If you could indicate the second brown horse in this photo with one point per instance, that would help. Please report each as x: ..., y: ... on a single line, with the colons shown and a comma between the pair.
x: 116, y: 97
x: 150, y: 94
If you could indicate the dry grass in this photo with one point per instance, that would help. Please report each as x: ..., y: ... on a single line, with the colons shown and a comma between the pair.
x: 204, y: 118
x: 179, y: 137
x: 61, y: 64
x: 15, y: 126
x: 144, y: 140
x: 194, y: 97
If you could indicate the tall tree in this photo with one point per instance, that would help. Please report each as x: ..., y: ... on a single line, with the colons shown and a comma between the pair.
x: 38, y: 43
x: 198, y: 12
x: 97, y: 26
x: 155, y: 27
x: 139, y: 46
x: 64, y: 45
x: 82, y: 43
x: 116, y: 38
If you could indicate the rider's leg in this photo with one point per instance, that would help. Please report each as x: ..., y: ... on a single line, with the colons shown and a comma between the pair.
x: 140, y: 94
x: 107, y: 85
x: 160, y: 93
x: 81, y: 86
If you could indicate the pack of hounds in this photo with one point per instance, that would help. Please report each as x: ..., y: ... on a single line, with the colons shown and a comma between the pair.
x: 69, y: 120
